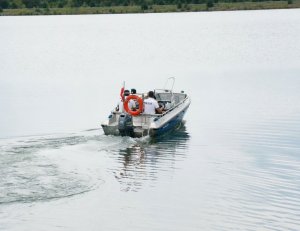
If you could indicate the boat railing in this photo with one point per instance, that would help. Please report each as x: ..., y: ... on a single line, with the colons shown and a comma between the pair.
x: 148, y: 116
x: 171, y: 109
x: 169, y: 80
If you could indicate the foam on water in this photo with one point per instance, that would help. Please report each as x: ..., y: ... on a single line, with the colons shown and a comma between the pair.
x: 30, y: 173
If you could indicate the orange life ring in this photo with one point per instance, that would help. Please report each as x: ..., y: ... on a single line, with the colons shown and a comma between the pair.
x: 128, y: 110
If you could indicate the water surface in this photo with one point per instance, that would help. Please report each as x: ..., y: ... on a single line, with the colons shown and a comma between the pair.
x: 233, y: 164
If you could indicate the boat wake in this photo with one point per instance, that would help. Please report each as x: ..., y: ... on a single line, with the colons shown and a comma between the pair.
x: 42, y: 168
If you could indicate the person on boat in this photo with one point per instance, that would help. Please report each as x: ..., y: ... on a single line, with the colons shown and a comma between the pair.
x: 151, y: 106
x: 133, y: 92
x: 131, y: 103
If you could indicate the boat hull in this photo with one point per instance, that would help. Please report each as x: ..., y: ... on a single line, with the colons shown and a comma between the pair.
x: 169, y: 126
x: 110, y: 130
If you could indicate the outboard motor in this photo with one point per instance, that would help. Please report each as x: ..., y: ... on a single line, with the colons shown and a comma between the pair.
x: 125, y: 125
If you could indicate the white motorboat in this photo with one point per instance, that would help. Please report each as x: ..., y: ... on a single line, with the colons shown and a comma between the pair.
x: 137, y: 124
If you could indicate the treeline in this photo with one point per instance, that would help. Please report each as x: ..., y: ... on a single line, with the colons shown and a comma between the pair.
x: 19, y: 4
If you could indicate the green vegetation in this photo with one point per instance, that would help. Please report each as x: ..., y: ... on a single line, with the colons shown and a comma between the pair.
x: 55, y: 7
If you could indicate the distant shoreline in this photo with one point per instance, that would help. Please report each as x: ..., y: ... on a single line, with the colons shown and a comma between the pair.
x: 222, y: 6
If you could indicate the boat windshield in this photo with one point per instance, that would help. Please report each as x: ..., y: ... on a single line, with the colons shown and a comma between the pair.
x: 162, y: 96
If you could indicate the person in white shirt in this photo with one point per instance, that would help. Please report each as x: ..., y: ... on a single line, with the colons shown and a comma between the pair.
x: 131, y: 103
x: 150, y: 105
x: 136, y: 103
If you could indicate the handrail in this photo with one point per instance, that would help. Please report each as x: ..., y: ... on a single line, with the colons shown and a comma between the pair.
x: 168, y: 79
x: 158, y: 115
x: 175, y: 106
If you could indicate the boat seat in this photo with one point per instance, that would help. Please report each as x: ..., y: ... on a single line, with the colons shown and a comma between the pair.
x: 166, y: 104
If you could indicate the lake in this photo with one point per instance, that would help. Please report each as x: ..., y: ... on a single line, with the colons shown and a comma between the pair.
x: 233, y: 165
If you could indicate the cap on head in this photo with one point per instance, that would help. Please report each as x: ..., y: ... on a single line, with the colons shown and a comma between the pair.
x: 126, y: 93
x: 133, y: 91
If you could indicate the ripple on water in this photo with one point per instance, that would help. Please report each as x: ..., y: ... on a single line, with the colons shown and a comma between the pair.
x: 139, y: 161
x: 265, y: 183
x: 28, y: 174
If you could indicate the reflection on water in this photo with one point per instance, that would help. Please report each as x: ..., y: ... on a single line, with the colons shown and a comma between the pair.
x: 142, y: 160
